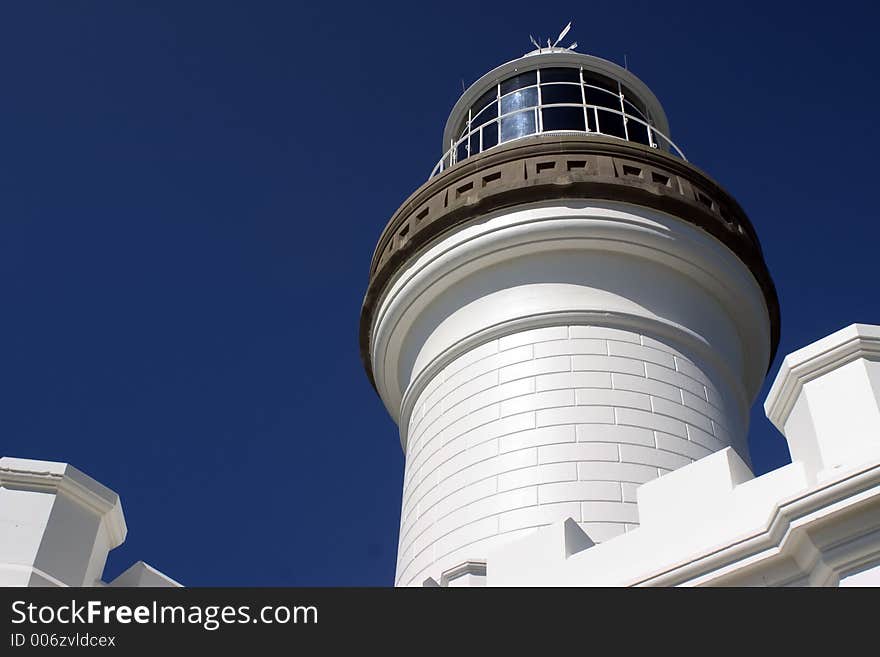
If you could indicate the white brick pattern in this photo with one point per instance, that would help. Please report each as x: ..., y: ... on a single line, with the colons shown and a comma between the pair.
x: 545, y: 424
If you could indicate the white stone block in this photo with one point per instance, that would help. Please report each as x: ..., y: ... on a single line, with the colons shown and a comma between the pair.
x: 602, y: 511
x: 535, y: 437
x: 683, y: 413
x: 467, y: 495
x: 691, y: 371
x: 541, y: 474
x: 638, y: 352
x: 649, y: 420
x: 487, y: 364
x: 607, y: 364
x: 703, y: 407
x: 618, y: 398
x: 573, y: 380
x: 522, y: 458
x: 571, y: 347
x: 578, y: 452
x: 693, y: 490
x: 611, y: 471
x: 646, y: 386
x: 472, y: 421
x: 653, y: 456
x: 535, y: 367
x: 572, y: 491
x: 615, y: 433
x: 505, y: 426
x: 574, y: 415
x: 674, y: 378
x: 537, y: 401
x: 536, y: 516
x: 681, y: 446
x: 469, y: 389
x: 704, y: 439
x: 502, y: 392
x: 628, y: 492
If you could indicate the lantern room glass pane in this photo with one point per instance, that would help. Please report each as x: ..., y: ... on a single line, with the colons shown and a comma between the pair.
x: 518, y: 125
x: 487, y: 114
x: 560, y: 75
x: 475, y: 143
x: 591, y: 120
x: 562, y: 118
x: 490, y: 135
x: 552, y: 94
x: 601, y: 98
x: 611, y: 124
x: 519, y: 100
x: 637, y: 132
x: 633, y: 110
x: 519, y: 81
x: 487, y: 98
x: 598, y: 81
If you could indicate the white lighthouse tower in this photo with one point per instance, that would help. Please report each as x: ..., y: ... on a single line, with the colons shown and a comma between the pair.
x: 565, y: 310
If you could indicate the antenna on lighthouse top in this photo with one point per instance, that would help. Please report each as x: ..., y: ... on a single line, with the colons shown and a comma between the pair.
x: 554, y: 44
x: 562, y: 34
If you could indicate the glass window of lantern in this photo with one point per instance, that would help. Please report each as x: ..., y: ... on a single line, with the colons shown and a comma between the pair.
x: 568, y: 99
x: 553, y: 94
x: 490, y: 135
x: 518, y: 100
x: 519, y: 81
x: 562, y: 118
x: 518, y: 125
x: 560, y: 75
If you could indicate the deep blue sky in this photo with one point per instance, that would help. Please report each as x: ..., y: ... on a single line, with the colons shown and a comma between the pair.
x: 190, y: 193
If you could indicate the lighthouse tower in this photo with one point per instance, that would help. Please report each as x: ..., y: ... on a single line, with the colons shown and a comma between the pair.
x: 565, y: 310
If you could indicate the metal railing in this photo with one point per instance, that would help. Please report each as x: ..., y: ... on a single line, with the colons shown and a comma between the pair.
x: 656, y: 139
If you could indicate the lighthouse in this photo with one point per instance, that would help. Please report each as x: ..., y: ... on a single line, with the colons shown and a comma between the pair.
x: 566, y: 310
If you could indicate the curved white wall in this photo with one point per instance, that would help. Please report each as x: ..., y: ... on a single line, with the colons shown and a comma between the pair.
x: 546, y: 424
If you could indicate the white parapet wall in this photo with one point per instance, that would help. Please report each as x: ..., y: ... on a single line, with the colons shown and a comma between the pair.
x: 814, y: 522
x: 57, y: 526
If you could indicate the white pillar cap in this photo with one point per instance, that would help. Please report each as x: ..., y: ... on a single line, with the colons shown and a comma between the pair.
x: 826, y: 400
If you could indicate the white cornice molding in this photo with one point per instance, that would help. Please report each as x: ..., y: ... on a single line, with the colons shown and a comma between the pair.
x: 815, y: 360
x: 576, y: 227
x: 475, y: 567
x: 793, y: 523
x: 64, y: 479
